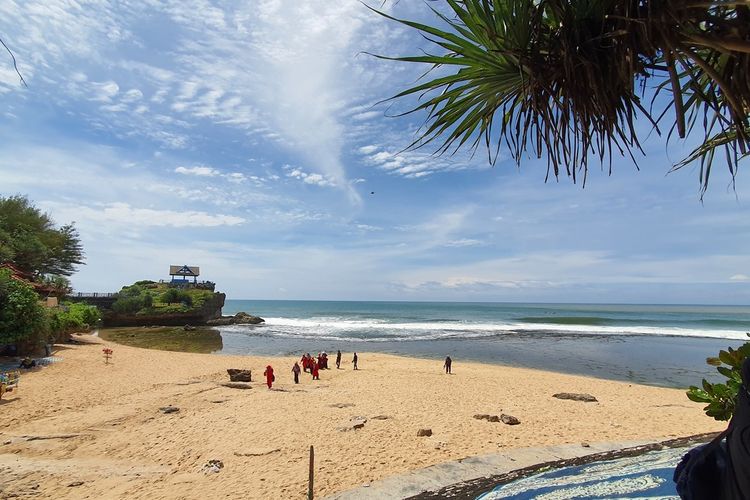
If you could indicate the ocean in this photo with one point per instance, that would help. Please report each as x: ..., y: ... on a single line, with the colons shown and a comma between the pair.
x: 664, y: 345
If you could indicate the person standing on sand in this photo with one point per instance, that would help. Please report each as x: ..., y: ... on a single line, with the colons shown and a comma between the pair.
x: 338, y: 360
x: 447, y: 365
x: 354, y: 360
x: 315, y: 372
x: 269, y: 376
x: 296, y: 370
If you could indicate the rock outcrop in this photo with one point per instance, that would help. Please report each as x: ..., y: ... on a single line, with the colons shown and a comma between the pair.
x: 241, y: 318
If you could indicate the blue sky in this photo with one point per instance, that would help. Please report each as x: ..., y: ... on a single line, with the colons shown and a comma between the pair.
x: 243, y: 137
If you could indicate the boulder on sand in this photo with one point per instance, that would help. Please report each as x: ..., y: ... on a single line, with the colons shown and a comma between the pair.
x: 587, y: 398
x: 236, y: 375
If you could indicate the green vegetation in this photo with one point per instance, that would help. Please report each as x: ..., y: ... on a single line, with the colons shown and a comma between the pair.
x: 561, y: 78
x: 26, y: 322
x: 722, y: 397
x: 22, y: 317
x: 30, y: 241
x: 148, y: 297
x: 72, y: 317
x: 202, y: 340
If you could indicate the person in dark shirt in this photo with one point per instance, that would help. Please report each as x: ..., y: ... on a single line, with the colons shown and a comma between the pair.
x: 296, y: 370
x: 338, y: 359
x: 354, y: 360
x: 447, y: 365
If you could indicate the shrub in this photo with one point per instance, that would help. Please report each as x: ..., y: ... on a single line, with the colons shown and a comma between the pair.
x: 722, y: 397
x: 128, y: 305
x: 70, y: 317
x: 22, y: 317
x: 171, y: 296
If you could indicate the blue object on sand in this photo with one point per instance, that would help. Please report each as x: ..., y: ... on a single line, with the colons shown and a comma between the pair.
x: 643, y: 476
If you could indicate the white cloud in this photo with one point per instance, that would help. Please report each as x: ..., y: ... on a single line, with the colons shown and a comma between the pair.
x: 124, y: 215
x: 199, y: 171
x: 308, y: 178
x: 740, y: 277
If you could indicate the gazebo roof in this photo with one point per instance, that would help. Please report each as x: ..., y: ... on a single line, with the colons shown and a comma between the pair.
x: 184, y: 271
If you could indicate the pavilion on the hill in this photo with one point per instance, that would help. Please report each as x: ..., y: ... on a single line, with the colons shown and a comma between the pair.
x: 181, y: 274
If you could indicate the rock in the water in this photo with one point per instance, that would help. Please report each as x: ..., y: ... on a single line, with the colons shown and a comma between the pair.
x: 213, y: 466
x: 424, y: 433
x: 241, y: 318
x: 236, y: 375
x: 482, y: 416
x: 585, y: 444
x: 588, y: 398
x: 509, y: 419
x: 169, y: 409
x: 237, y: 385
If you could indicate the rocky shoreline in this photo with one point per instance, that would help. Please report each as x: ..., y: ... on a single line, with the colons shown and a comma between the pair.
x: 241, y: 318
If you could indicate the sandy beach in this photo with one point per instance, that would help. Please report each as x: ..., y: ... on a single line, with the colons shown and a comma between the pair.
x: 82, y: 429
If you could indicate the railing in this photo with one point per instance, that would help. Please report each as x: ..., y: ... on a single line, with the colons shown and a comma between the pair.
x: 93, y: 295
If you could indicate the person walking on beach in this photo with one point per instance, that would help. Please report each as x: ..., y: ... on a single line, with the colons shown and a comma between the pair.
x: 354, y: 360
x: 296, y: 370
x: 338, y: 360
x: 315, y: 372
x: 447, y: 365
x: 269, y: 376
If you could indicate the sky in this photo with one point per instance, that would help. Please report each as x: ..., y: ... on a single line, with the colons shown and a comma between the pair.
x: 248, y: 138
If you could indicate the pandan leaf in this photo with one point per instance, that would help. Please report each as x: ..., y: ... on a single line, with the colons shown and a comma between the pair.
x: 698, y: 395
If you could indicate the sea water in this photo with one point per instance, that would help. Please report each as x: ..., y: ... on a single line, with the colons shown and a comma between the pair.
x: 653, y: 344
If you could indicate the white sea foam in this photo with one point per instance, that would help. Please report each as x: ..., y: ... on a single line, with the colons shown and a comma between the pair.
x: 377, y: 330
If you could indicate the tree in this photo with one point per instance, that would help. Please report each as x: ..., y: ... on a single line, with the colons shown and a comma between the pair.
x: 21, y: 315
x: 560, y: 78
x: 31, y: 242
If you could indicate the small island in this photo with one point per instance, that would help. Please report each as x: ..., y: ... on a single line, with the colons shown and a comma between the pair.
x: 180, y: 301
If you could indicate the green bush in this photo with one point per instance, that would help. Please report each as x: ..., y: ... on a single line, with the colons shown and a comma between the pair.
x: 22, y: 317
x: 128, y: 305
x: 71, y: 317
x: 170, y: 296
x: 722, y: 397
x: 148, y: 300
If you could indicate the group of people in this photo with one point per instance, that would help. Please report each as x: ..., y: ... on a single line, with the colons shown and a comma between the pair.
x: 310, y: 364
x: 313, y: 365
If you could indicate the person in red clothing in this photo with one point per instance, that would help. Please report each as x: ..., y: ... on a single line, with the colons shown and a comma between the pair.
x: 315, y: 372
x: 269, y: 376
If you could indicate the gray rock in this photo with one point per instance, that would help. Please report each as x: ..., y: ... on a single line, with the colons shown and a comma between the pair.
x: 424, y: 433
x: 169, y: 409
x: 482, y: 416
x: 509, y: 419
x: 236, y: 375
x: 493, y: 418
x: 75, y: 483
x: 381, y: 417
x: 241, y: 318
x: 213, y: 466
x: 585, y: 445
x: 353, y: 424
x: 588, y: 398
x: 341, y: 405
